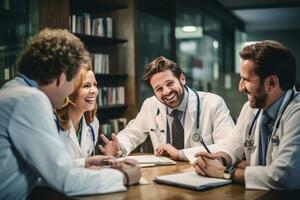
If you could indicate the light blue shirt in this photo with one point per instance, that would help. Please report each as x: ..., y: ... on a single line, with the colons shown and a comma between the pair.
x: 30, y: 148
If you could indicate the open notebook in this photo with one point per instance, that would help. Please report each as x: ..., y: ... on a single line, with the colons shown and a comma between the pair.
x: 191, y: 180
x: 152, y: 160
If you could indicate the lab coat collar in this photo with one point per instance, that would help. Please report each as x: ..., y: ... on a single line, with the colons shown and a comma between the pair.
x: 73, y: 137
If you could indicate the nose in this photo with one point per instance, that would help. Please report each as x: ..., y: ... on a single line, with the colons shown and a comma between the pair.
x: 166, y: 90
x: 94, y: 89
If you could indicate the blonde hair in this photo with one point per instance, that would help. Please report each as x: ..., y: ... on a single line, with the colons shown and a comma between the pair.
x: 62, y: 113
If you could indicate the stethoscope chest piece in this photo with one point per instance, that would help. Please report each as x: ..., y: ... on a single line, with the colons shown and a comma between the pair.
x: 248, y: 144
x: 196, y: 137
x: 275, y: 140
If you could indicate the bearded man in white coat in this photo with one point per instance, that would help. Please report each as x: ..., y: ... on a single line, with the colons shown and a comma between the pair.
x: 263, y: 151
x: 202, y: 116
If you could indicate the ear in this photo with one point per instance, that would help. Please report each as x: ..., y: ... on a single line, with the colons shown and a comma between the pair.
x: 272, y: 81
x: 182, y: 79
x: 59, y: 80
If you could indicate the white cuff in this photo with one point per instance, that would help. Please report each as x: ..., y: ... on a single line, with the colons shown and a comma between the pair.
x: 181, y: 155
x: 80, y: 162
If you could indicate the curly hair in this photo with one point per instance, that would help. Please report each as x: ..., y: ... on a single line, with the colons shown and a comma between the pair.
x: 272, y: 58
x: 62, y: 113
x: 50, y: 53
x: 161, y: 64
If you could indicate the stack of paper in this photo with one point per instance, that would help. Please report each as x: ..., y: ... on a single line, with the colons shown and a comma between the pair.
x: 152, y: 160
x: 191, y: 180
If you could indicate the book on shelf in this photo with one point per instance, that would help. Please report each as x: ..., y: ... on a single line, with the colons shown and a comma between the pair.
x: 111, y: 95
x: 85, y: 24
x: 113, y: 126
x: 15, y: 5
x: 7, y: 66
x: 101, y: 63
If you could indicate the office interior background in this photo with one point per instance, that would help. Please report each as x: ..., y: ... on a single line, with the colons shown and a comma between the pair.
x: 203, y: 37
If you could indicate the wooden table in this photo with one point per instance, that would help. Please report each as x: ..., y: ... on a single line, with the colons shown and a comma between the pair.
x: 155, y: 191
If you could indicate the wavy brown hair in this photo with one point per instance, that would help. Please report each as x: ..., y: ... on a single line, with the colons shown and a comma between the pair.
x: 50, y: 53
x: 62, y: 113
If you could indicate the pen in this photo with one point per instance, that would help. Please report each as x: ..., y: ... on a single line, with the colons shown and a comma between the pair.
x: 202, y: 142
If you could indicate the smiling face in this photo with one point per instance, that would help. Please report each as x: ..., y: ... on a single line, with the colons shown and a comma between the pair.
x: 87, y: 94
x: 252, y: 85
x: 167, y: 88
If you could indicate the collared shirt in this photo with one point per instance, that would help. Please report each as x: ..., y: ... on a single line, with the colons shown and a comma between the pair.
x: 274, y: 109
x: 182, y: 107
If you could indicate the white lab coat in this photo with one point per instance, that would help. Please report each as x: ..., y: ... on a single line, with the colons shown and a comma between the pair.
x: 215, y: 122
x: 71, y: 142
x: 30, y: 148
x: 282, y: 170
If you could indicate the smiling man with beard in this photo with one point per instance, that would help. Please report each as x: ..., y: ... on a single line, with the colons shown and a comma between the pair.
x: 267, y: 133
x: 176, y: 117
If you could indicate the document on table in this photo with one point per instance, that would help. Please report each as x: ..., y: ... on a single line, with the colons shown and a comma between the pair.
x: 152, y: 160
x: 191, y: 180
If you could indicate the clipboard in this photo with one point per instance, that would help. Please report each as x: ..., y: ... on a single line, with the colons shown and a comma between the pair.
x: 191, y: 180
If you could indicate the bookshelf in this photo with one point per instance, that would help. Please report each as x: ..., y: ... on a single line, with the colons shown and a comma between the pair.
x: 17, y: 24
x: 93, y: 23
x: 119, y: 45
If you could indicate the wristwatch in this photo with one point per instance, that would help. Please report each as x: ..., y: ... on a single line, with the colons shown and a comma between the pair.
x: 228, y: 172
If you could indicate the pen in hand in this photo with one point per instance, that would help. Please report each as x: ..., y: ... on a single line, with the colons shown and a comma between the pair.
x: 202, y: 142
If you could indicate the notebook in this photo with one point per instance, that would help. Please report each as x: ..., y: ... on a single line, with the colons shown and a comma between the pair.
x: 191, y: 180
x: 152, y: 160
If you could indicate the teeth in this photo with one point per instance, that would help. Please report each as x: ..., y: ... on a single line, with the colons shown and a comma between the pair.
x: 171, y: 97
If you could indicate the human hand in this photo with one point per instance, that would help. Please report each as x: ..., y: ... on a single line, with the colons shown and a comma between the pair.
x: 167, y: 150
x: 96, y: 162
x: 208, y: 165
x: 242, y: 165
x: 131, y: 170
x: 111, y: 147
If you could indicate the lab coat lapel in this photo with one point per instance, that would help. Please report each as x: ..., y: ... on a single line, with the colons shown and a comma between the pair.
x: 84, y: 136
x: 73, y: 138
x: 161, y: 121
x: 255, y: 150
x: 190, y: 114
x: 283, y: 105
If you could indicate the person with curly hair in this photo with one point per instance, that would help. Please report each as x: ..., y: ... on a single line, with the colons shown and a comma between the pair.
x: 30, y: 147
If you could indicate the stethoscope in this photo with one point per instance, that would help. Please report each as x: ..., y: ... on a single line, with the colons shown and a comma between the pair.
x: 33, y: 84
x: 197, y: 135
x: 91, y: 130
x: 248, y: 144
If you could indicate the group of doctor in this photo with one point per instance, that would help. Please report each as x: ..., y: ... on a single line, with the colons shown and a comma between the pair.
x: 259, y: 153
x: 58, y: 147
x: 40, y: 146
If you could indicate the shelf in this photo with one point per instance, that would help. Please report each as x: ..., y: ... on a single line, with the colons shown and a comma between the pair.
x: 110, y: 111
x: 113, y: 107
x: 92, y: 40
x: 12, y: 15
x: 94, y: 6
x: 111, y: 79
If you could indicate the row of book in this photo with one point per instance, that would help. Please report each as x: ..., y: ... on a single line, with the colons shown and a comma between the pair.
x: 16, y: 5
x: 113, y: 126
x: 8, y: 67
x: 100, y: 63
x: 84, y: 24
x: 111, y: 95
